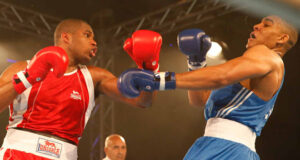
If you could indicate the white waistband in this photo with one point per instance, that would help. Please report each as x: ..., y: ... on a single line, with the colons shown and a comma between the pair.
x: 230, y: 130
x: 39, y: 145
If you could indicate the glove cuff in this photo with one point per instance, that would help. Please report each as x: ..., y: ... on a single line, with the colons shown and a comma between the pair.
x: 20, y: 81
x: 166, y: 80
x: 157, y: 69
x: 196, y: 65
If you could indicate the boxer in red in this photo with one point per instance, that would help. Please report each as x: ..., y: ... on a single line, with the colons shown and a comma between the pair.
x: 51, y: 96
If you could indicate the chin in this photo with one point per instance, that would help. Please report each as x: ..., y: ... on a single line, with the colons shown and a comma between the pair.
x: 249, y: 45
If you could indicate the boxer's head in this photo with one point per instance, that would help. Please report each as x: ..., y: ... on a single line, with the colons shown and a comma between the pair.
x: 275, y: 33
x: 77, y: 38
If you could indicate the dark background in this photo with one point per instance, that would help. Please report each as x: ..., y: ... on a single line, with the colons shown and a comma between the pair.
x: 166, y: 130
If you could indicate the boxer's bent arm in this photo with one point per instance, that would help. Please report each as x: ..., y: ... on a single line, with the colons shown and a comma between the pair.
x: 106, y: 83
x: 255, y: 62
x: 7, y: 90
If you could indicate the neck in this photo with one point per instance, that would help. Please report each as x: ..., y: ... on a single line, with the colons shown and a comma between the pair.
x: 71, y: 68
x: 279, y: 51
x: 280, y: 54
x: 72, y: 63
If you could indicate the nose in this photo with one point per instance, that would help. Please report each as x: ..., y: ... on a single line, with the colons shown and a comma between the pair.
x: 256, y: 27
x: 93, y: 42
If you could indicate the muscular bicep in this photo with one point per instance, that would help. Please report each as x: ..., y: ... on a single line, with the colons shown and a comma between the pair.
x: 106, y: 83
x: 109, y: 87
x: 245, y: 67
x: 103, y: 80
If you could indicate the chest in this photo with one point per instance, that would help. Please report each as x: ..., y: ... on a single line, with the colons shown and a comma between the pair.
x: 70, y: 90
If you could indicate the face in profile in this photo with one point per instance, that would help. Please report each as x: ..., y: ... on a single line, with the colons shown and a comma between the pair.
x: 116, y: 149
x: 267, y: 32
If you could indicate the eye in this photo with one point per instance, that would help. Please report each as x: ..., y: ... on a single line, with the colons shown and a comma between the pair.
x: 87, y: 35
x: 266, y: 25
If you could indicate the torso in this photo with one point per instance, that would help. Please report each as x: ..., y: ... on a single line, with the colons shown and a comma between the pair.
x: 249, y: 102
x: 60, y: 107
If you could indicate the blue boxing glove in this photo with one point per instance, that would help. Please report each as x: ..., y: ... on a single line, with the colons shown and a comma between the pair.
x: 195, y: 44
x: 132, y: 81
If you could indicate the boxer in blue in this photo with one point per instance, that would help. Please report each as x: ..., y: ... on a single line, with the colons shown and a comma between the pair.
x: 238, y: 95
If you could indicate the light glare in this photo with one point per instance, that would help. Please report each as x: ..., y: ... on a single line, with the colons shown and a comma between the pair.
x: 215, y: 50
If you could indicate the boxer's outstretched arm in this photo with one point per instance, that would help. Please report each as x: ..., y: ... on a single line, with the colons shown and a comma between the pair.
x: 256, y: 62
x: 106, y: 83
x: 7, y: 90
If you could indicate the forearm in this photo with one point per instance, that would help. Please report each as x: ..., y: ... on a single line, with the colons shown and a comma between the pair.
x: 205, y: 78
x: 7, y: 94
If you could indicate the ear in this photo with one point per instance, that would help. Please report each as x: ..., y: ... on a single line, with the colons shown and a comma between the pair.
x: 105, y: 150
x: 66, y: 37
x: 283, y: 39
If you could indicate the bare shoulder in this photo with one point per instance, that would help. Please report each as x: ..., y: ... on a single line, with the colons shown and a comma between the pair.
x: 258, y: 50
x: 98, y: 74
x: 13, y: 69
x: 264, y: 54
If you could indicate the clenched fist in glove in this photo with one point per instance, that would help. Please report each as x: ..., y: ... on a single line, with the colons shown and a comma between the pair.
x: 195, y: 44
x: 38, y: 68
x: 144, y: 47
x: 132, y: 81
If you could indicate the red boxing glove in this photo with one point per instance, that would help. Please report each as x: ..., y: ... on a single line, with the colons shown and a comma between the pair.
x: 144, y: 47
x: 38, y: 68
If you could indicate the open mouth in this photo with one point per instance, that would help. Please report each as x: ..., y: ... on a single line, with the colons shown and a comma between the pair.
x: 93, y: 52
x: 252, y: 35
